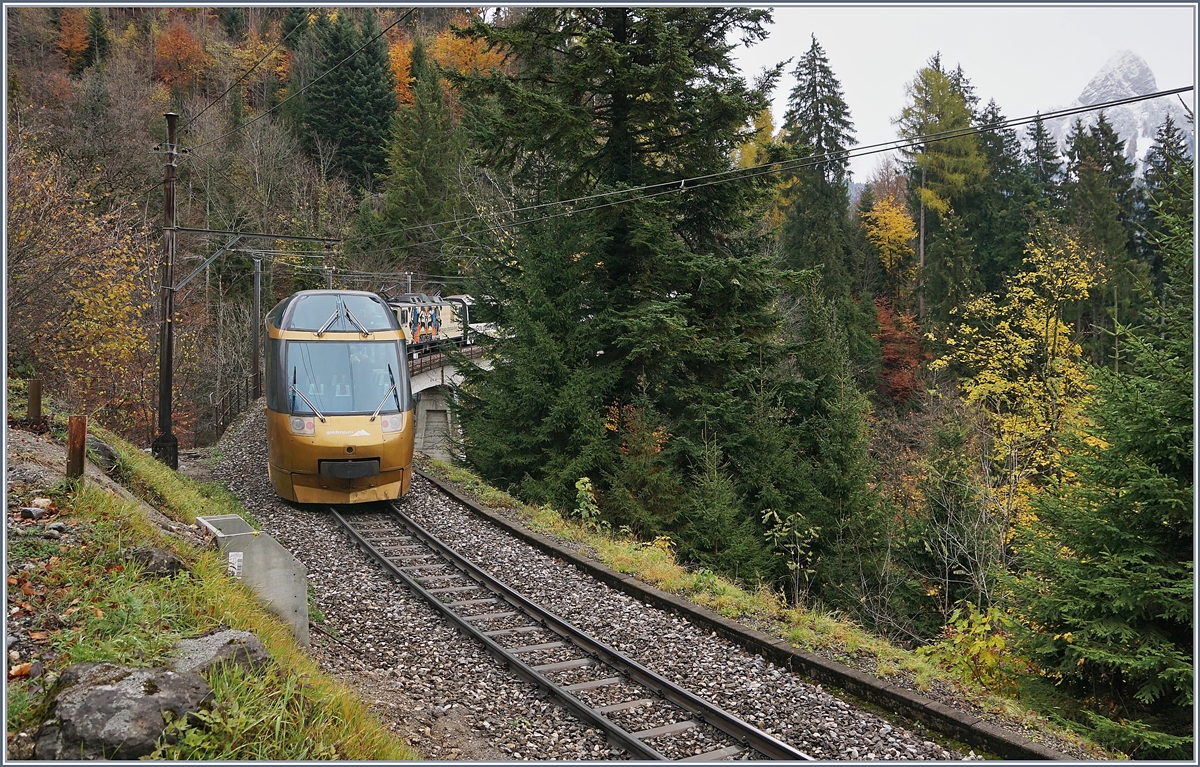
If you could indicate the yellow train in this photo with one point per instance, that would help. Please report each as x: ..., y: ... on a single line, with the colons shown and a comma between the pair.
x: 339, y: 402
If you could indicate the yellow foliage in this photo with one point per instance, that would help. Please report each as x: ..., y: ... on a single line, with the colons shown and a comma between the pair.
x: 1026, y: 372
x: 890, y: 229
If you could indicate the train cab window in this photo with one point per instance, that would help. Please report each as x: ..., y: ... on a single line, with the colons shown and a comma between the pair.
x: 328, y: 310
x: 312, y: 312
x: 342, y: 378
x: 370, y: 311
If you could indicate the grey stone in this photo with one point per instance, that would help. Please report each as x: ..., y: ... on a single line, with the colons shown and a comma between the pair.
x: 102, y: 454
x: 157, y: 563
x: 32, y: 513
x: 59, y: 526
x: 106, y: 711
x: 200, y: 654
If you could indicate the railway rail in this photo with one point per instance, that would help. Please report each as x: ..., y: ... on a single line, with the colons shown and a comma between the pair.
x: 588, y: 678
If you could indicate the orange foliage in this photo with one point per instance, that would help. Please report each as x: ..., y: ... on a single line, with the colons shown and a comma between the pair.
x: 72, y: 36
x: 179, y: 58
x: 400, y: 54
x: 900, y: 349
x: 462, y: 54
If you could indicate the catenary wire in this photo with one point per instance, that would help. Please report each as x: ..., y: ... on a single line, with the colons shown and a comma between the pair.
x: 245, y: 74
x: 740, y: 174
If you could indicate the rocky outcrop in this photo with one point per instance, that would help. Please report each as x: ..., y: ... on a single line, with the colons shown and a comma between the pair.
x: 201, y: 654
x: 106, y: 711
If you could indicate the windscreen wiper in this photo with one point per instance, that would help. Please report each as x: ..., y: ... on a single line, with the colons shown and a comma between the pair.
x: 311, y: 405
x: 332, y: 318
x: 361, y: 328
x: 389, y: 391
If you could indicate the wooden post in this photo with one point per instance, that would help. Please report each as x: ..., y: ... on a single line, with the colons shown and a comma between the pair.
x: 76, y: 438
x: 34, y: 412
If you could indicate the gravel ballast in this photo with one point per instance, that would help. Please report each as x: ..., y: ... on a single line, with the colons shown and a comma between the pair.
x: 451, y: 700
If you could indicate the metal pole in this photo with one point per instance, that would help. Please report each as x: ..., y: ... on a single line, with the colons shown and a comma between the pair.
x: 166, y: 446
x: 409, y: 275
x: 329, y: 279
x: 256, y: 329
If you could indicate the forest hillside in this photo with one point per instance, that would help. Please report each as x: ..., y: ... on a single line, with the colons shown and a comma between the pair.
x: 957, y: 411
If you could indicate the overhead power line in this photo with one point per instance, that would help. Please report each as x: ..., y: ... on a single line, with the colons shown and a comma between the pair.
x: 651, y: 191
x: 740, y: 174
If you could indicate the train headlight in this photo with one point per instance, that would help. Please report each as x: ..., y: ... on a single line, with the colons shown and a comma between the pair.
x: 392, y: 423
x: 301, y: 424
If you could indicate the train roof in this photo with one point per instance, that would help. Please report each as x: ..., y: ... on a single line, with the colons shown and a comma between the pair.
x: 327, y: 309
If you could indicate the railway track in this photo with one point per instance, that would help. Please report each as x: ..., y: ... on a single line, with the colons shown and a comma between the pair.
x: 597, y: 684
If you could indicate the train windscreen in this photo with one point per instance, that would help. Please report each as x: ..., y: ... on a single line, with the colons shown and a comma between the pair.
x: 312, y: 312
x: 343, y: 378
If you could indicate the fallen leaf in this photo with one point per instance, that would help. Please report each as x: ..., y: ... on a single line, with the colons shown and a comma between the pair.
x: 39, y: 636
x: 29, y: 591
x: 19, y: 670
x: 12, y: 580
x: 98, y: 612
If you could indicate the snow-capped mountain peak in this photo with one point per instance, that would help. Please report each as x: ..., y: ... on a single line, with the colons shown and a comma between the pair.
x: 1124, y: 75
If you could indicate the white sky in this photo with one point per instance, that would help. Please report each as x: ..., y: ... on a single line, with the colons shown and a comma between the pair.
x: 1028, y: 58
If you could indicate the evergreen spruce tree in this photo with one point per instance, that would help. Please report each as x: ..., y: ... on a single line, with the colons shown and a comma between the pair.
x: 716, y: 531
x: 817, y: 229
x: 349, y: 110
x: 99, y: 40
x: 817, y: 125
x: 1044, y: 166
x: 1100, y: 204
x: 661, y: 303
x: 993, y: 214
x: 1168, y: 150
x: 1107, y: 586
x: 423, y: 164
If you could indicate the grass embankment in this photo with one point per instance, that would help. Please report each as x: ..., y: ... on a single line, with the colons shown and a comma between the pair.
x: 828, y: 635
x: 88, y: 604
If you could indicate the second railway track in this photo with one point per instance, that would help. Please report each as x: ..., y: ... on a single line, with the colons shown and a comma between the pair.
x: 591, y: 680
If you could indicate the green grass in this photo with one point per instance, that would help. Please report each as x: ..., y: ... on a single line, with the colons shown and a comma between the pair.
x: 90, y: 604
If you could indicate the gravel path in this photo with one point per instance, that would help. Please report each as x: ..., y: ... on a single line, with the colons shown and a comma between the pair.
x: 451, y: 700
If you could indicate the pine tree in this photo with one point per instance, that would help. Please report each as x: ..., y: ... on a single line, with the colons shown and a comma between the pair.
x: 1107, y: 585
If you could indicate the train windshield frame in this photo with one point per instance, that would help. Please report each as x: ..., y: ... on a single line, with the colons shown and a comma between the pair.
x: 346, y: 377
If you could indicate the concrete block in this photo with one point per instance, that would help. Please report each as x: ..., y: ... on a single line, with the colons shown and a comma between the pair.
x: 272, y: 573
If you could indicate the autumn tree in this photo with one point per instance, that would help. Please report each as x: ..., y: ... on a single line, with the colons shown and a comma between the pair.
x: 72, y: 38
x: 945, y: 160
x: 1107, y: 573
x: 85, y: 327
x: 891, y: 231
x: 180, y: 60
x: 1023, y: 367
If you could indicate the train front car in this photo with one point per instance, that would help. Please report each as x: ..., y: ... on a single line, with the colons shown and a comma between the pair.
x: 339, y: 403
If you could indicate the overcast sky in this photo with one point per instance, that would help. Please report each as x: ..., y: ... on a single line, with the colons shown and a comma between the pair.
x: 1028, y: 58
